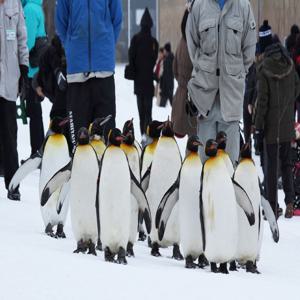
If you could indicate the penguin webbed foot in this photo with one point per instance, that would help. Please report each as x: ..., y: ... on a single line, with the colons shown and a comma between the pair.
x: 81, y: 247
x: 92, y: 248
x: 60, y: 232
x: 129, y: 250
x: 49, y: 231
x: 108, y: 255
x: 251, y: 268
x: 142, y: 236
x: 176, y: 253
x: 202, y: 261
x: 232, y: 266
x: 189, y: 262
x: 155, y: 249
x: 99, y: 245
x: 223, y: 268
x: 122, y: 256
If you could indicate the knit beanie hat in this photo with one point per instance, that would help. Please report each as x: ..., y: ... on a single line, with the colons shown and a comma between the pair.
x: 167, y: 47
x: 265, y: 36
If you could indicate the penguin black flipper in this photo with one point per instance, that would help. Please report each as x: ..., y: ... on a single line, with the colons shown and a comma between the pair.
x: 31, y: 164
x: 141, y: 198
x: 62, y: 196
x: 244, y: 202
x: 165, y: 207
x: 201, y: 210
x: 269, y: 214
x: 145, y: 179
x: 56, y: 182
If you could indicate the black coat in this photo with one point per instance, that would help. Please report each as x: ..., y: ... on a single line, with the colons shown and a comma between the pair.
x: 251, y: 91
x: 167, y: 79
x: 142, y: 56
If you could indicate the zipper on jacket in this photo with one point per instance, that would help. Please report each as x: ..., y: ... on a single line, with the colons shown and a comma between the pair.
x: 89, y: 35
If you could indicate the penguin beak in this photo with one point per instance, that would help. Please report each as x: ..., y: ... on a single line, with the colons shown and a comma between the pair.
x: 120, y: 138
x: 130, y: 123
x: 64, y: 122
x: 105, y: 120
x: 197, y: 143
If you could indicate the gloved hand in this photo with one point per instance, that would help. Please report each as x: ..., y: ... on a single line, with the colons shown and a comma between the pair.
x: 259, y: 137
x: 23, y: 81
x: 61, y: 80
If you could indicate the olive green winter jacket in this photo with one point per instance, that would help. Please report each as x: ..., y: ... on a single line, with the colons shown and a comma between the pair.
x: 278, y: 88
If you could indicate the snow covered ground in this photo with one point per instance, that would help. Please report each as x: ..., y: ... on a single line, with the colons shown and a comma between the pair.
x: 36, y: 267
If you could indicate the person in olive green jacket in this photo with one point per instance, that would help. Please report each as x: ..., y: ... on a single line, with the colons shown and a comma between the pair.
x: 278, y: 88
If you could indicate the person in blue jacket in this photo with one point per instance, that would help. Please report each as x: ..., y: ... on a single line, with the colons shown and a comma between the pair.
x: 89, y: 31
x: 35, y: 24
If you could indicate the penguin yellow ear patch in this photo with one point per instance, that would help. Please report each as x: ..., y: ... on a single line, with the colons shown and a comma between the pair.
x: 147, y: 131
x: 109, y: 133
x: 90, y: 128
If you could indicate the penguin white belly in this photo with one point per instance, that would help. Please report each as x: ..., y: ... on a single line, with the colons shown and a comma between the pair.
x: 189, y: 213
x: 134, y: 163
x: 115, y: 199
x: 220, y: 213
x: 248, y: 236
x: 55, y: 156
x: 83, y: 190
x: 164, y: 171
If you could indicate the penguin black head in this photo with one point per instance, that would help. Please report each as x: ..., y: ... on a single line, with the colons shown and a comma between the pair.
x: 246, y: 151
x: 128, y: 132
x: 115, y: 137
x: 98, y: 126
x: 154, y: 129
x: 221, y: 139
x: 57, y: 124
x: 193, y: 143
x: 211, y: 148
x: 83, y: 136
x: 167, y: 129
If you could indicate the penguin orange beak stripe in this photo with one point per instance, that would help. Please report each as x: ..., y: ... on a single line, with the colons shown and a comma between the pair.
x: 64, y: 122
x: 197, y: 143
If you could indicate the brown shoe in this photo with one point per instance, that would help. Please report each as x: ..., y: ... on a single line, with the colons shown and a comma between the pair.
x: 289, y: 211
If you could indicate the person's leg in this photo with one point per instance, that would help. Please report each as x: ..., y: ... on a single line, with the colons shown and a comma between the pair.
x: 104, y: 101
x: 78, y: 108
x: 148, y: 102
x: 141, y: 109
x: 247, y: 119
x: 34, y: 112
x: 285, y: 153
x: 9, y: 130
x: 271, y: 161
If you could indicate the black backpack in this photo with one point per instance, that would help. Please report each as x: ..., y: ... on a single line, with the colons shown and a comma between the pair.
x: 40, y: 46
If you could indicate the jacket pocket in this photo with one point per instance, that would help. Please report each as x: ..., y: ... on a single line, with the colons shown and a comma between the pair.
x: 208, y: 39
x: 234, y: 32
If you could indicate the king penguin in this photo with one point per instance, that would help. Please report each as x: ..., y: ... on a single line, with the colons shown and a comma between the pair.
x: 164, y: 171
x: 131, y: 151
x: 221, y: 139
x: 53, y: 155
x: 82, y: 172
x: 218, y: 210
x: 186, y: 190
x: 117, y: 183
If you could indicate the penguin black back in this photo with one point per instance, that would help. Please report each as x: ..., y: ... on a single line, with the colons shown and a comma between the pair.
x: 221, y: 139
x: 167, y: 129
x: 115, y: 137
x: 83, y: 136
x: 211, y: 148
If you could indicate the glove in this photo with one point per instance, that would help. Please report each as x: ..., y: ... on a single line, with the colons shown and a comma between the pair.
x: 61, y: 80
x: 23, y: 81
x: 259, y: 137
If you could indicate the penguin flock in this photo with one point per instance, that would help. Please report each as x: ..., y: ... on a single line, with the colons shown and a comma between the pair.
x: 211, y: 211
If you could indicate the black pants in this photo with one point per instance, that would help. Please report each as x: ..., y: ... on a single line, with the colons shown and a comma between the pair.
x: 164, y: 99
x: 285, y: 160
x: 247, y: 119
x: 145, y: 111
x: 89, y: 100
x: 34, y: 112
x: 8, y: 138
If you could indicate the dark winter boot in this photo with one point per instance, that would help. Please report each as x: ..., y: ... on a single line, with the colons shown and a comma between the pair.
x: 202, y: 261
x: 108, y: 255
x: 155, y: 250
x: 189, y: 262
x: 129, y: 251
x: 60, y: 231
x: 232, y: 266
x: 251, y: 267
x: 91, y: 247
x: 81, y: 247
x: 122, y: 256
x: 99, y: 245
x: 176, y: 253
x: 223, y: 268
x: 213, y: 267
x: 49, y: 230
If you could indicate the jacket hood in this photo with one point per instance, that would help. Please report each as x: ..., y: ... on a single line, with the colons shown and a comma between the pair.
x: 146, y: 20
x: 38, y: 2
x: 276, y: 63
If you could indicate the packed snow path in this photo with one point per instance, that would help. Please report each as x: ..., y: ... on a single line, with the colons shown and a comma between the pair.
x: 34, y: 266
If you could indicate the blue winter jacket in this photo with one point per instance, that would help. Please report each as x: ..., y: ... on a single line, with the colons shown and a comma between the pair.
x: 89, y: 30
